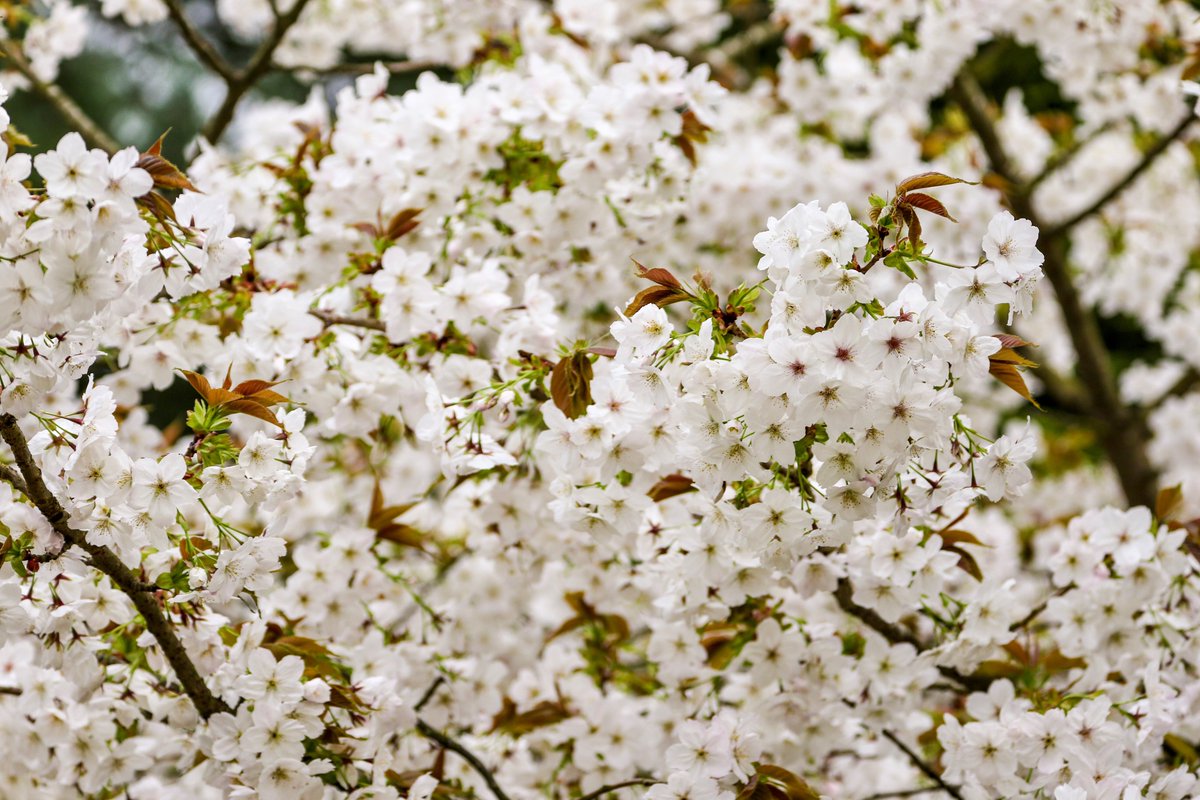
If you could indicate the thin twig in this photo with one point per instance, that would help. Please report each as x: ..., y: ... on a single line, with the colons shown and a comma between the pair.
x: 1066, y: 156
x: 204, y: 51
x: 922, y: 765
x: 329, y: 318
x: 430, y: 692
x: 1147, y: 160
x: 260, y: 63
x: 453, y: 746
x: 612, y: 787
x: 10, y: 476
x: 897, y: 635
x: 75, y: 116
x: 103, y: 559
x: 1036, y: 611
x: 366, y: 68
x: 904, y: 793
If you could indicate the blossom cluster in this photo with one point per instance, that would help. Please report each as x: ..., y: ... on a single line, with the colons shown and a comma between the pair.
x: 570, y: 425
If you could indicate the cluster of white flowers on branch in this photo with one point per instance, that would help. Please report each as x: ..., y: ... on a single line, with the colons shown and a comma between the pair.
x: 468, y: 503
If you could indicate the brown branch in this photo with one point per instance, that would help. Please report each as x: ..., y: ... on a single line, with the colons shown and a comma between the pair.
x: 1122, y: 431
x: 903, y: 793
x: 897, y: 635
x: 366, y: 68
x: 106, y: 561
x: 922, y: 765
x: 205, y: 52
x: 260, y: 63
x: 844, y: 594
x: 453, y: 746
x: 329, y: 318
x: 75, y: 116
x: 10, y: 476
x: 1186, y: 383
x: 1148, y: 158
x: 1066, y: 156
x: 603, y: 790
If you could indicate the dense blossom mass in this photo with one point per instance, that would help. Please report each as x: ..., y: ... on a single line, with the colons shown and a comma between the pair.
x: 642, y: 404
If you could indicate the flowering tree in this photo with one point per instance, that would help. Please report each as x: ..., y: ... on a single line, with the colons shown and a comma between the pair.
x: 642, y: 405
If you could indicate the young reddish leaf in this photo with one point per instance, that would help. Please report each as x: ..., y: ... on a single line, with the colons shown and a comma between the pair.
x: 927, y: 180
x: 158, y: 205
x: 1168, y: 503
x: 570, y: 384
x: 686, y: 147
x: 401, y: 534
x: 761, y: 790
x: 795, y: 786
x: 1012, y: 340
x: 514, y: 723
x: 165, y: 174
x: 670, y: 486
x: 251, y: 409
x: 199, y: 383
x: 1008, y: 375
x: 995, y: 669
x: 1006, y: 355
x: 658, y: 275
x: 403, y: 222
x: 655, y: 295
x: 928, y: 203
x: 248, y: 388
x: 956, y: 537
x: 318, y: 661
x: 1055, y: 661
x: 966, y: 562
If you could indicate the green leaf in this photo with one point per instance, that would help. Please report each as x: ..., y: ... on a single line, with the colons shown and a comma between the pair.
x: 898, y: 262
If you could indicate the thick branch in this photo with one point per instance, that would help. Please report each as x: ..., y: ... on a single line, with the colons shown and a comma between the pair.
x: 1122, y: 431
x: 106, y: 561
x: 453, y: 746
x: 204, y: 51
x: 260, y: 63
x: 1147, y: 160
x: 894, y: 634
x: 75, y: 116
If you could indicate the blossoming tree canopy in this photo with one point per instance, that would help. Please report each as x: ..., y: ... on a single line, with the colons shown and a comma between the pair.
x: 694, y: 400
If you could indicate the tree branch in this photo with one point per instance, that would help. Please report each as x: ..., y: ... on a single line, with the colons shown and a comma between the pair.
x: 904, y: 793
x: 1122, y: 431
x: 446, y: 742
x: 612, y: 787
x: 1066, y: 157
x: 260, y: 63
x: 75, y: 116
x: 1147, y: 160
x: 106, y: 561
x: 897, y: 635
x: 329, y: 318
x: 922, y: 765
x: 366, y: 68
x: 204, y: 51
x: 844, y: 594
